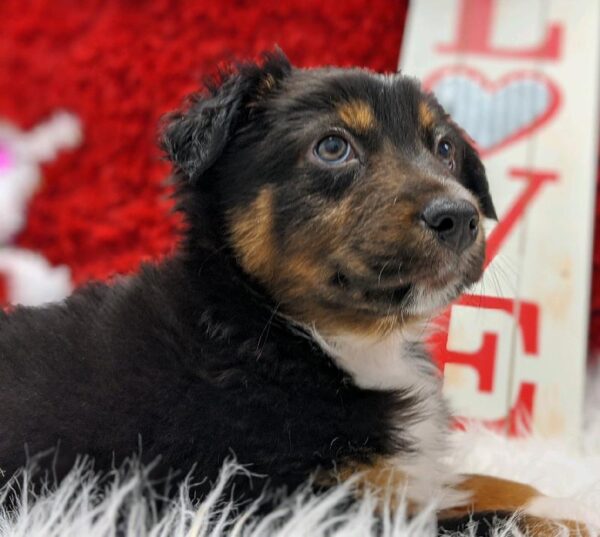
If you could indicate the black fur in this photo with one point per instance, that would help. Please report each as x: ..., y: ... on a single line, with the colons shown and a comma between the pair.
x: 194, y: 373
x: 188, y: 359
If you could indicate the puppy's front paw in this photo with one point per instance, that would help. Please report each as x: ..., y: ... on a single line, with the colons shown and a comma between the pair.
x: 558, y: 516
x: 534, y: 514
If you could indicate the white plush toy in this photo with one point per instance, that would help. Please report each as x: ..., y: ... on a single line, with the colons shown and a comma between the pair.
x: 28, y: 277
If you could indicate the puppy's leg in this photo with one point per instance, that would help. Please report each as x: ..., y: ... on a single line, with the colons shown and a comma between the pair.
x: 475, y: 497
x: 537, y: 515
x: 396, y: 484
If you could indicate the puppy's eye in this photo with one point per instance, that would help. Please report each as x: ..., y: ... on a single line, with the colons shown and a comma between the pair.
x: 333, y: 150
x: 445, y: 150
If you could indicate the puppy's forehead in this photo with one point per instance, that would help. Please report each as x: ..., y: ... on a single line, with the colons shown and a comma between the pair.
x: 361, y: 99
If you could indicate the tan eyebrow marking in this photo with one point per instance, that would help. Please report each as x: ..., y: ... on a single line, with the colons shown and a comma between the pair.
x: 427, y: 116
x: 357, y: 115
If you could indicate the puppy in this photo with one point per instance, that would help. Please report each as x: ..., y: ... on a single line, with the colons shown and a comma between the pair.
x: 329, y: 214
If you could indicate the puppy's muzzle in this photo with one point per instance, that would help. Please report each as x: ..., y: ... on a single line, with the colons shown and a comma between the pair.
x: 454, y: 222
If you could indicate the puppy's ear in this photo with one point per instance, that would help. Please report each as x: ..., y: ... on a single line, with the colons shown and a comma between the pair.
x: 195, y: 138
x: 474, y: 178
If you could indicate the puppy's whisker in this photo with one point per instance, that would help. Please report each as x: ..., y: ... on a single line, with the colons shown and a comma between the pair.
x: 381, y: 272
x: 265, y: 332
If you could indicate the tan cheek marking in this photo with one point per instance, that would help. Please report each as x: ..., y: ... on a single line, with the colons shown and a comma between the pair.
x: 357, y: 115
x: 297, y: 278
x: 251, y: 231
x: 302, y: 272
x: 305, y: 265
x: 427, y: 116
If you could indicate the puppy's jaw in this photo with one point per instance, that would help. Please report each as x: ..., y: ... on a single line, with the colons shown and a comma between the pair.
x: 318, y: 277
x: 295, y: 276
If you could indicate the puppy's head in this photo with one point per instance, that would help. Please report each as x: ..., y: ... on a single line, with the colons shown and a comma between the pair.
x: 349, y: 196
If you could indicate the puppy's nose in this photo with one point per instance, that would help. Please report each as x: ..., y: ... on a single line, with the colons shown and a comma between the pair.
x: 455, y: 222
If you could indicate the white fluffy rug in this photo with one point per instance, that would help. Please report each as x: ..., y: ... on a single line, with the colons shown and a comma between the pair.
x: 84, y: 505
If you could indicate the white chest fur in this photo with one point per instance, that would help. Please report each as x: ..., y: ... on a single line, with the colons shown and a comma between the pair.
x: 395, y: 362
x: 388, y: 363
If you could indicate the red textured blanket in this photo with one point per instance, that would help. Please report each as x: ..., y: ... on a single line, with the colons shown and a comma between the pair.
x: 118, y: 66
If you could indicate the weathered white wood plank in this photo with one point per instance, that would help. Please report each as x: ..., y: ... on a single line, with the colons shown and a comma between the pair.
x: 522, y: 79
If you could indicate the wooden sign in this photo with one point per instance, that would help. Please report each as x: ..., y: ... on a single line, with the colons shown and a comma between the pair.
x: 521, y: 77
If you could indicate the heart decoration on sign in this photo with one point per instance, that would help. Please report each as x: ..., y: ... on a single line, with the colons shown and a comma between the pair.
x: 495, y: 114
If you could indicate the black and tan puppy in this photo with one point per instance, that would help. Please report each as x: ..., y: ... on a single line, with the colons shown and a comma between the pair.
x: 329, y: 213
